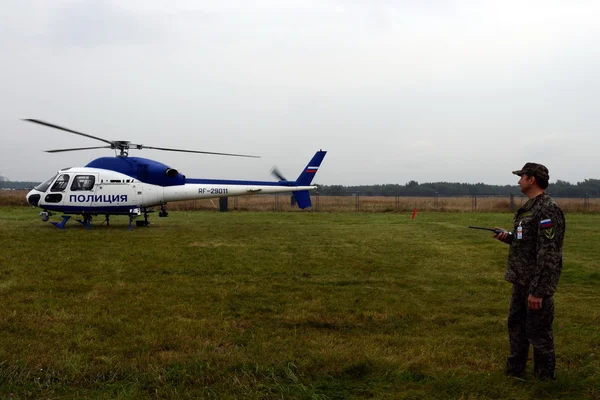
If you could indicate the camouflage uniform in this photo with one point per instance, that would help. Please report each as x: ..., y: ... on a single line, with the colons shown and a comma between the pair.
x: 534, y: 266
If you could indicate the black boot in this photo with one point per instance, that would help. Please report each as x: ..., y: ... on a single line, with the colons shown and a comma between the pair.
x: 544, y: 367
x: 515, y: 367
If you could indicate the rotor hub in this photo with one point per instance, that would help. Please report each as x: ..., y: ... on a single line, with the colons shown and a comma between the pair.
x: 122, y: 146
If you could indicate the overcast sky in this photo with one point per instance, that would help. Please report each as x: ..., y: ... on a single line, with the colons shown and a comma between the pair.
x: 428, y: 90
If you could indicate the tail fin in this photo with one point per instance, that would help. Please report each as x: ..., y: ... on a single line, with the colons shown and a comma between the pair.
x: 311, y: 169
x: 302, y: 198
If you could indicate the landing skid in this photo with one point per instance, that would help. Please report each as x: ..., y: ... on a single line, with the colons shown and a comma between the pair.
x: 86, y: 221
x: 133, y: 214
x: 61, y: 224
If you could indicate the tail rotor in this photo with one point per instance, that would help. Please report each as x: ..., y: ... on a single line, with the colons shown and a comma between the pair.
x: 277, y: 173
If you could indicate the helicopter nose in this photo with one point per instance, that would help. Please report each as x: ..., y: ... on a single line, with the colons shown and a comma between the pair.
x: 33, y: 198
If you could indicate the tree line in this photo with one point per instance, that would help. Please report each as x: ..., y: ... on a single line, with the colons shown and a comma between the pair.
x: 6, y: 184
x: 589, y: 187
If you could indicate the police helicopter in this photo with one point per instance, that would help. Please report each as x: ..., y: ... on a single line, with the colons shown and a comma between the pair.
x: 132, y: 186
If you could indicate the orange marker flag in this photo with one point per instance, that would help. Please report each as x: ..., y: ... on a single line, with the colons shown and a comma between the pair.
x: 414, y: 213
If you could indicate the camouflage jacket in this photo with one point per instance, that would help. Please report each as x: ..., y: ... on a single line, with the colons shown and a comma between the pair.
x: 535, y: 255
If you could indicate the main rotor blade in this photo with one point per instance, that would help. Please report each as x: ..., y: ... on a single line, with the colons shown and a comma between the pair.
x: 79, y: 148
x: 37, y: 121
x: 140, y: 147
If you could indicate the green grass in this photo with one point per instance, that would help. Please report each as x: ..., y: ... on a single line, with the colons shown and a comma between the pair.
x: 280, y: 305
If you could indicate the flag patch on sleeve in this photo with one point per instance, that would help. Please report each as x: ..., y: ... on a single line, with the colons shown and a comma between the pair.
x: 546, y: 223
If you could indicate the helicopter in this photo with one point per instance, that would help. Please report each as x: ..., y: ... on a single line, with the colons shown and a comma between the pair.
x: 132, y: 186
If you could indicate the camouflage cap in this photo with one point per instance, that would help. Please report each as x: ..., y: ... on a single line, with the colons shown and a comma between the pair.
x: 533, y: 169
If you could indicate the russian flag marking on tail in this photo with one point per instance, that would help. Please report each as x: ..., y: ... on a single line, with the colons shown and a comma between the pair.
x: 311, y: 169
x: 546, y: 223
x: 305, y: 179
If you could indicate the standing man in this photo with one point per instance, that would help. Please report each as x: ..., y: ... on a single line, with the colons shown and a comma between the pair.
x: 534, y: 266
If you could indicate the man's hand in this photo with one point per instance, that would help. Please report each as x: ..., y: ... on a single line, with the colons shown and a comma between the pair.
x: 534, y: 303
x: 502, y: 236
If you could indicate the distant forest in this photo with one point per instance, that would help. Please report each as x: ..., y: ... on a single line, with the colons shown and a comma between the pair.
x: 589, y: 187
x: 6, y: 184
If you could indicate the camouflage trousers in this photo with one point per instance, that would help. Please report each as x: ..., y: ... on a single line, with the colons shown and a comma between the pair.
x: 526, y: 327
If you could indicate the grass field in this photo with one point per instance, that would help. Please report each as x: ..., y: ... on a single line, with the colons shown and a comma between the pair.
x: 281, y: 305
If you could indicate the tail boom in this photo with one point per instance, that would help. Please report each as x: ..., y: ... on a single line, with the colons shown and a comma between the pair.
x: 210, y: 188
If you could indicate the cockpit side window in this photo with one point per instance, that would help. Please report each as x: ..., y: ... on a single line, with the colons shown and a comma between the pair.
x: 83, y: 182
x: 61, y: 183
x: 42, y: 187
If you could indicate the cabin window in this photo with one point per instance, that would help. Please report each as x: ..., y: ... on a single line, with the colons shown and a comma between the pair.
x: 83, y: 182
x: 61, y: 183
x: 53, y: 198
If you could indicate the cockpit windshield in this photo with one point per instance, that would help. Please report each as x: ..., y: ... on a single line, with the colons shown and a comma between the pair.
x: 42, y: 187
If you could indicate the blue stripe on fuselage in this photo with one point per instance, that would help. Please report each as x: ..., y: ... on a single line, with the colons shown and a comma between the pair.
x: 89, y: 210
x: 237, y: 182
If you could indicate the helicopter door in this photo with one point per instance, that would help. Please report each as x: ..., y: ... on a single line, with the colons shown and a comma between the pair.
x: 116, y: 196
x: 56, y: 195
x: 81, y: 191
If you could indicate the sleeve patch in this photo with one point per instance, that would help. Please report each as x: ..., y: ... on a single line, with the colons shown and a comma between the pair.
x: 546, y: 223
x: 549, y: 233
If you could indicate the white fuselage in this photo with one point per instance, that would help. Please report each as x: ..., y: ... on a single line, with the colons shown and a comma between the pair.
x: 94, y: 190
